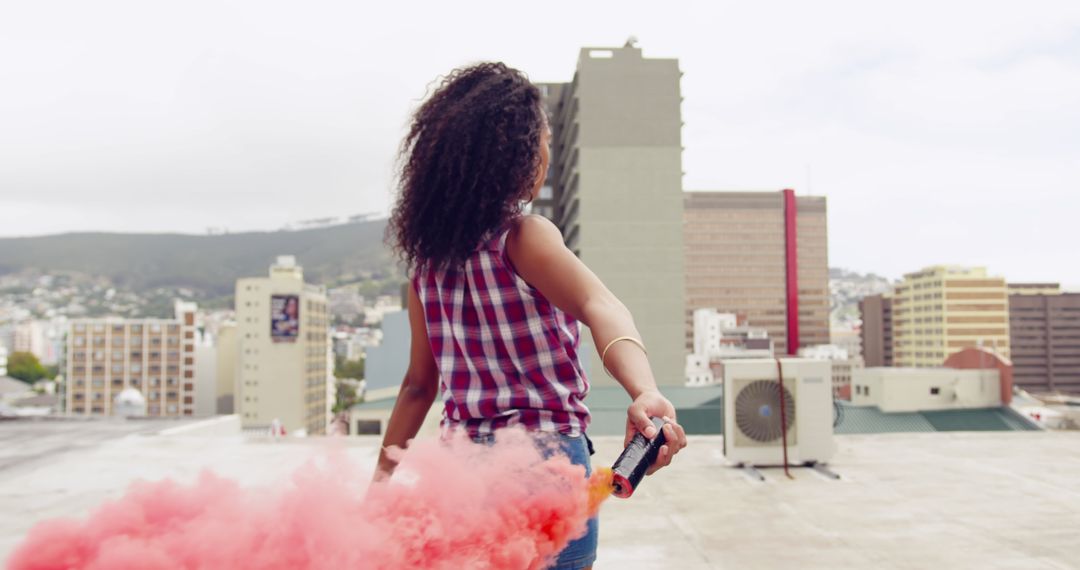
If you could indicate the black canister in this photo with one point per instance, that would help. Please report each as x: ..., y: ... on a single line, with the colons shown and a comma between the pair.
x: 630, y: 467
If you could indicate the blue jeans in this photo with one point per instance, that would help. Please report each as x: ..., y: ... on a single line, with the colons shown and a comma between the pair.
x: 580, y: 553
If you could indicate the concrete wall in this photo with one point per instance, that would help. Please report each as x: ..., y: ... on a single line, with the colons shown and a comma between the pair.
x: 922, y: 389
x: 217, y: 426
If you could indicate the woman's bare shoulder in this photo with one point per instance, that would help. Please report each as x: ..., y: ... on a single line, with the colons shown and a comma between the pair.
x: 533, y: 227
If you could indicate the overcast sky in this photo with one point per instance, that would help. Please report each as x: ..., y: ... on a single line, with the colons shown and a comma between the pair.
x: 941, y: 132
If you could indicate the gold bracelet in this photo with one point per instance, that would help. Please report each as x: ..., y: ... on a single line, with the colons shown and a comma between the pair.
x: 603, y: 355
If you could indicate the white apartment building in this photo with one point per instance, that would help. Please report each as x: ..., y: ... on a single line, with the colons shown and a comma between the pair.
x: 154, y: 356
x: 282, y: 336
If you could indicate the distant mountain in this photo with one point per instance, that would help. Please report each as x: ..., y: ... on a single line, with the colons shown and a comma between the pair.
x: 209, y: 264
x: 846, y: 288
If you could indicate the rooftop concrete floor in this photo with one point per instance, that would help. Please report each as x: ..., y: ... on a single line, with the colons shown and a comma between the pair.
x: 952, y: 500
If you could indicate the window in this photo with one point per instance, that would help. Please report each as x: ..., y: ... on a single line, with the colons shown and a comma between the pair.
x: 935, y: 391
x: 368, y: 427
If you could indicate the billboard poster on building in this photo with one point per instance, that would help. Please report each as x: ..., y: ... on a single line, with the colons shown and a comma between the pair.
x: 284, y: 318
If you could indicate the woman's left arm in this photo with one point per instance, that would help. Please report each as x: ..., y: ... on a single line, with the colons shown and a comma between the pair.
x: 418, y: 390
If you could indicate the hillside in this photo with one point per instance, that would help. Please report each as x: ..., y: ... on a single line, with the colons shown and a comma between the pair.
x: 209, y: 264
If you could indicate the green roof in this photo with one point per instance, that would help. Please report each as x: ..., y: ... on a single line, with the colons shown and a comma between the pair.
x: 870, y: 419
x: 700, y: 412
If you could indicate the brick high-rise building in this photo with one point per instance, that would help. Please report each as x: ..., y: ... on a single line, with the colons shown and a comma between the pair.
x: 615, y: 191
x: 762, y: 256
x: 1044, y: 330
x: 876, y: 331
x: 154, y: 356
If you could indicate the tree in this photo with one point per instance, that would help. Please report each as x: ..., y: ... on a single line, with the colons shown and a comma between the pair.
x: 25, y: 366
x: 346, y: 397
x: 349, y: 368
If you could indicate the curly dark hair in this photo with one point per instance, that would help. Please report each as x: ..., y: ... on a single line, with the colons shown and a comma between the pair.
x: 471, y: 156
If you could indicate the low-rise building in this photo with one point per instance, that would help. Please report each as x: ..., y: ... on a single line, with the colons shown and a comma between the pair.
x: 920, y: 389
x: 154, y: 356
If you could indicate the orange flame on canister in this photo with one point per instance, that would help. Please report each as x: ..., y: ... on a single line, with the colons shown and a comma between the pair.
x: 599, y: 488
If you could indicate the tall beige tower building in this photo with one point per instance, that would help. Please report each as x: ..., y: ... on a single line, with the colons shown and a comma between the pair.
x: 154, y: 356
x: 941, y: 309
x: 615, y: 191
x: 762, y: 256
x: 281, y: 345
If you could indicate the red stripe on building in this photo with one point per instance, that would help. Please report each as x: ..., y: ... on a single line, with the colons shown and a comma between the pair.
x: 791, y: 250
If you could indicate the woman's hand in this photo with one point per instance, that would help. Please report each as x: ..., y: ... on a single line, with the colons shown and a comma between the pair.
x: 381, y: 475
x: 652, y: 404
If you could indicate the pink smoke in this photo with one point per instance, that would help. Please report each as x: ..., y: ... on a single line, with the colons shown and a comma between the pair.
x: 449, y: 506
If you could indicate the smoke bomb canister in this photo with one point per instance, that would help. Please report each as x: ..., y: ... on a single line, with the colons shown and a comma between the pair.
x: 630, y: 467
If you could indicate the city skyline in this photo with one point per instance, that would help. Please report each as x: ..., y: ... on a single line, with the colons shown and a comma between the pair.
x: 924, y: 113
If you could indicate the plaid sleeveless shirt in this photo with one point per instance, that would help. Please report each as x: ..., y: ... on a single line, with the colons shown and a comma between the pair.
x: 506, y: 355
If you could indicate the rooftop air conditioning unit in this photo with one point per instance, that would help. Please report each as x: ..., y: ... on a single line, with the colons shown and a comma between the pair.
x: 754, y: 418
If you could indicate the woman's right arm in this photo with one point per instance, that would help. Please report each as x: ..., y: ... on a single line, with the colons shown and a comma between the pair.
x: 535, y: 247
x: 418, y: 390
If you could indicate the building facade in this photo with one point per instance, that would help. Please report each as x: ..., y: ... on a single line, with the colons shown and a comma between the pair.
x: 942, y: 309
x: 1034, y: 289
x: 614, y: 188
x: 843, y: 365
x: 282, y: 344
x: 762, y: 256
x: 226, y: 369
x: 1044, y: 331
x: 895, y: 390
x: 154, y: 356
x: 720, y: 336
x: 44, y: 339
x: 876, y: 331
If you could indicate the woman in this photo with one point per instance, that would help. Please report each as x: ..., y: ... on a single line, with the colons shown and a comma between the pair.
x: 496, y: 297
